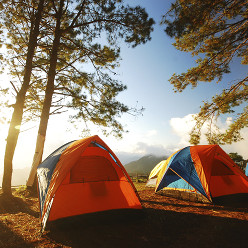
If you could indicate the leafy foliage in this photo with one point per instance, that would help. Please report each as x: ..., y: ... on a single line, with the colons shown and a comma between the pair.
x: 92, y: 92
x: 236, y: 157
x: 70, y: 40
x: 19, y: 20
x: 215, y: 32
x: 88, y: 54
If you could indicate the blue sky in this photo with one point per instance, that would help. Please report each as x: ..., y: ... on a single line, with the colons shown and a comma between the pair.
x: 146, y: 71
x: 166, y: 121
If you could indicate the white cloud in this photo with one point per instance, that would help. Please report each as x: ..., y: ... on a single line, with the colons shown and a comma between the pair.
x: 241, y: 146
x: 158, y: 150
x: 151, y: 133
x: 228, y: 121
x: 182, y: 127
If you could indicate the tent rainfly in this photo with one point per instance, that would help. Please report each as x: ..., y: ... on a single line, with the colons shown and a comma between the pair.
x: 206, y: 169
x: 83, y: 176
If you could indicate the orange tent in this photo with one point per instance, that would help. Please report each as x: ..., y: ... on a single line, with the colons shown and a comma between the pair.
x: 81, y: 177
x: 206, y: 169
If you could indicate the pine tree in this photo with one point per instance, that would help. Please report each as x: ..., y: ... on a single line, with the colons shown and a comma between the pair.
x: 12, y: 21
x: 78, y: 28
x: 216, y: 31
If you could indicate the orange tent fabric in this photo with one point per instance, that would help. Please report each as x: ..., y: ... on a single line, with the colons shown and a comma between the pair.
x: 88, y: 177
x: 217, y: 171
x: 206, y: 168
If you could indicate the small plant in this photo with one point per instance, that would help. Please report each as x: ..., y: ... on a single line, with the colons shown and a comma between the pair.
x: 22, y: 191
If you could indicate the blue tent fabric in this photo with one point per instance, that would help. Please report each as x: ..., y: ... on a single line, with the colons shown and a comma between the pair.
x: 183, y: 167
x: 45, y: 172
x: 170, y: 177
x: 180, y: 184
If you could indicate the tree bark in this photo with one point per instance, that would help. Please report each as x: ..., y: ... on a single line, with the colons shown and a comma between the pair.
x: 48, y: 99
x: 36, y: 161
x: 15, y: 123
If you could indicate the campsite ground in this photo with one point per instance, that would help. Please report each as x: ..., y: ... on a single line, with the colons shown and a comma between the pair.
x: 165, y: 221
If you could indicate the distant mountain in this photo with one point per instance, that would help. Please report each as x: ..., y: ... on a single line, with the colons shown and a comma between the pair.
x: 143, y: 165
x: 126, y: 157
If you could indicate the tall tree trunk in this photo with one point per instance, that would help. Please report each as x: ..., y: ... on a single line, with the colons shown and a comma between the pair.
x: 15, y: 123
x: 48, y: 99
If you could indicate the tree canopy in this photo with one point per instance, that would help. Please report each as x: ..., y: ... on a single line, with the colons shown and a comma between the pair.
x: 216, y: 32
x: 89, y: 38
x: 73, y: 36
x: 238, y: 159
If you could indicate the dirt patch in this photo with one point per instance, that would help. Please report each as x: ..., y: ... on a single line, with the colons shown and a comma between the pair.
x: 165, y: 221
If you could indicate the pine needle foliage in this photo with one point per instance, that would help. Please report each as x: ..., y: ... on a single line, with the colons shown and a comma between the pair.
x: 216, y: 32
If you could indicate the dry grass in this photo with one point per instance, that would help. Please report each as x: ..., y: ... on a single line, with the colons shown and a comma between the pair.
x: 164, y: 222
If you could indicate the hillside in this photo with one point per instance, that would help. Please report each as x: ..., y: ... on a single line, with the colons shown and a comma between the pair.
x: 144, y: 165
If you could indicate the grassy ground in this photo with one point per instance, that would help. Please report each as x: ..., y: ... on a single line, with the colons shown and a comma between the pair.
x: 165, y: 221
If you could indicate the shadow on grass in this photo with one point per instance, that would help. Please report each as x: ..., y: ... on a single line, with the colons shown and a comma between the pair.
x: 15, y: 204
x: 149, y: 228
x: 235, y: 200
x: 9, y: 238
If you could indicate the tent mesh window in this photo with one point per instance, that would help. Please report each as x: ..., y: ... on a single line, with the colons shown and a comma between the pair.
x: 93, y: 169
